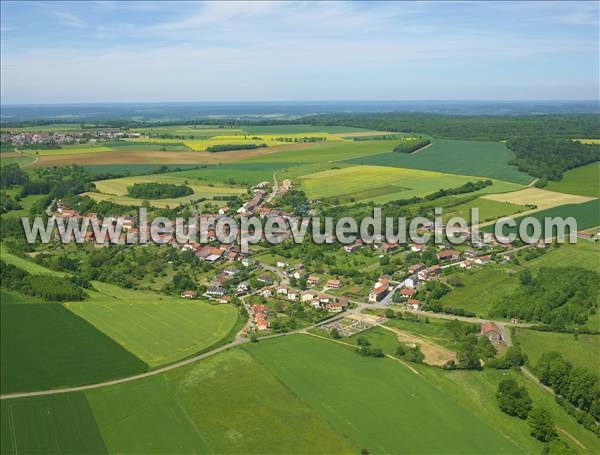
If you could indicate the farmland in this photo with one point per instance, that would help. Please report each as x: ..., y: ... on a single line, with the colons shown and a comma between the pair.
x: 57, y: 424
x: 488, y: 209
x: 45, y: 345
x: 540, y: 198
x: 484, y: 159
x: 584, y: 181
x: 144, y: 417
x: 377, y: 183
x: 157, y: 330
x: 328, y: 377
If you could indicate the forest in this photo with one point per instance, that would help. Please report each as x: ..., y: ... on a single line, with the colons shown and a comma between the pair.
x: 155, y: 190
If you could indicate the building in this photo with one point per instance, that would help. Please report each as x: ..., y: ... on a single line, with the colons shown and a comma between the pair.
x: 334, y: 307
x: 215, y: 291
x: 448, y: 255
x: 492, y: 332
x: 407, y: 293
x: 351, y: 248
x: 380, y: 290
x: 334, y: 284
x: 307, y: 296
x: 261, y: 322
x: 265, y: 278
x: 189, y: 294
x: 313, y: 280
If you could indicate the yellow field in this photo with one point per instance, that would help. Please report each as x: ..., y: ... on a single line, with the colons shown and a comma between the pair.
x: 543, y: 199
x: 588, y: 141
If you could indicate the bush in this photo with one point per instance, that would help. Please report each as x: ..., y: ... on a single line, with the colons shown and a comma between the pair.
x: 513, y: 399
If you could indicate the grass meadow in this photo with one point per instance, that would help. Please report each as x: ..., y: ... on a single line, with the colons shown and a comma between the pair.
x: 488, y: 209
x: 358, y: 394
x: 583, y: 181
x: 575, y: 348
x: 485, y: 159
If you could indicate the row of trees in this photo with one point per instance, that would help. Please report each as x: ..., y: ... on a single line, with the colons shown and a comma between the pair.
x: 47, y: 287
x: 154, y: 190
x: 411, y: 145
x: 231, y: 147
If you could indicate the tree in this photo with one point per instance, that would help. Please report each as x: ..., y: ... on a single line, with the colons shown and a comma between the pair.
x: 335, y: 333
x: 468, y: 357
x: 515, y: 357
x: 513, y: 399
x: 362, y: 341
x: 389, y: 313
x: 541, y: 425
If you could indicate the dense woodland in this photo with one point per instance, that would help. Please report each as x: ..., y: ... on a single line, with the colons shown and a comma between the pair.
x: 155, y: 190
x: 231, y: 147
x: 556, y: 296
x: 409, y: 146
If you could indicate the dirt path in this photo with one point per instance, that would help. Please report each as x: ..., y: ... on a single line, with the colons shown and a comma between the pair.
x: 421, y: 149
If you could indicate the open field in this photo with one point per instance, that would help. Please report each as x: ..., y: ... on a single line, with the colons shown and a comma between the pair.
x: 357, y: 394
x: 249, y: 173
x: 28, y: 266
x: 298, y: 129
x: 157, y: 332
x: 476, y: 392
x: 135, y: 169
x: 584, y: 181
x: 587, y: 215
x: 11, y: 157
x: 189, y: 131
x: 377, y: 183
x: 488, y: 209
x: 72, y: 150
x: 256, y: 412
x: 115, y: 190
x: 484, y: 159
x: 481, y: 288
x: 541, y: 198
x: 45, y: 345
x: 59, y: 424
x: 577, y: 349
x: 583, y: 254
x: 144, y: 417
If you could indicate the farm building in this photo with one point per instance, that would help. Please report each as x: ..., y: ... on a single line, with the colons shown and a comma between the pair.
x: 492, y: 332
x: 189, y: 294
x: 334, y: 284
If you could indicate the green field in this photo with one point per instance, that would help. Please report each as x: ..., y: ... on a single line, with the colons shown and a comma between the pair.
x: 239, y: 407
x: 134, y: 169
x: 485, y: 159
x: 144, y: 417
x: 377, y: 183
x: 488, y: 210
x: 58, y: 424
x: 45, y: 346
x: 576, y: 350
x: 296, y: 129
x: 20, y: 160
x: 360, y: 396
x: 587, y: 215
x: 237, y: 173
x: 156, y: 329
x: 481, y: 288
x: 583, y: 254
x: 583, y: 181
x: 73, y: 150
x: 26, y: 202
x: 25, y: 264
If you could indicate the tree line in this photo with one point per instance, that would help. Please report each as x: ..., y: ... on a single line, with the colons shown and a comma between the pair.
x: 155, y: 190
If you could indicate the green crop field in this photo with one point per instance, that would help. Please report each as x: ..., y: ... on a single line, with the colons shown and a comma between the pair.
x: 240, y: 407
x: 247, y: 173
x: 45, y: 346
x: 144, y: 417
x: 73, y: 150
x: 360, y: 180
x: 583, y: 254
x: 158, y: 331
x: 25, y: 264
x: 20, y: 160
x: 485, y: 159
x: 58, y: 424
x: 15, y: 298
x: 587, y: 215
x: 575, y: 348
x: 135, y: 169
x: 357, y: 394
x: 583, y: 181
x: 488, y: 210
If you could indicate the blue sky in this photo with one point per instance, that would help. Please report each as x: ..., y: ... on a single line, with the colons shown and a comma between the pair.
x: 54, y: 52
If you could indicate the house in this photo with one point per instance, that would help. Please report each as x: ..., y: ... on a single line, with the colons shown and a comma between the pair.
x: 315, y: 303
x: 467, y: 263
x: 261, y: 322
x: 492, y: 332
x: 324, y: 298
x: 380, y: 290
x: 242, y: 289
x: 259, y: 309
x: 429, y: 273
x: 416, y: 268
x: 265, y: 278
x: 483, y: 260
x: 508, y: 257
x: 351, y: 248
x: 343, y: 301
x: 410, y: 282
x: 216, y: 291
x: 418, y: 247
x: 451, y: 255
x: 292, y: 294
x: 189, y: 294
x: 266, y: 293
x: 246, y: 262
x: 307, y: 296
x: 313, y: 280
x: 224, y: 210
x: 204, y: 251
x: 414, y: 303
x: 406, y: 293
x: 214, y: 255
x: 231, y: 271
x: 387, y: 247
x: 282, y: 290
x: 334, y: 307
x: 282, y: 264
x: 334, y: 284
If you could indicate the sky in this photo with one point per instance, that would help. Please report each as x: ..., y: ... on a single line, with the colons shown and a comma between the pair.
x: 76, y: 52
